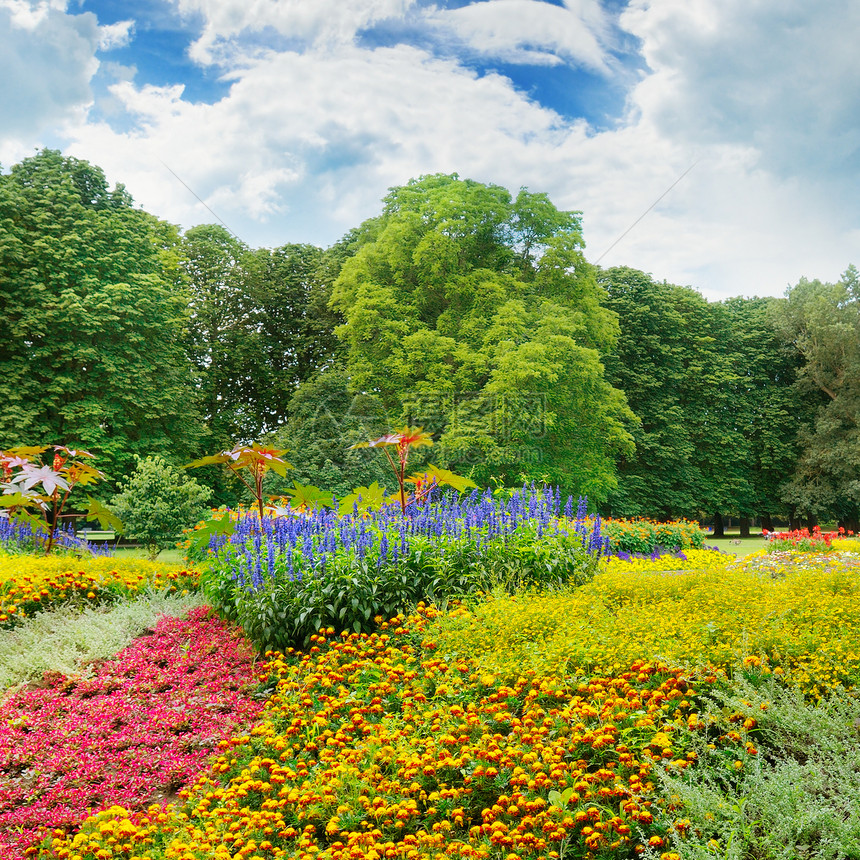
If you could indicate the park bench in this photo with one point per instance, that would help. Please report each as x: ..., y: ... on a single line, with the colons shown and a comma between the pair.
x: 96, y: 534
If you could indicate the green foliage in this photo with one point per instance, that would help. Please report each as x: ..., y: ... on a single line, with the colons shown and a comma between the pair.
x: 157, y: 501
x: 260, y: 326
x: 325, y: 418
x: 799, y: 796
x: 822, y: 321
x: 306, y: 496
x: 95, y: 315
x: 669, y: 364
x: 478, y: 317
x: 217, y: 526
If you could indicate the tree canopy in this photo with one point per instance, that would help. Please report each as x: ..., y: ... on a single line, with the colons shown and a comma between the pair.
x: 461, y: 308
x: 95, y: 316
x: 822, y: 322
x: 476, y: 315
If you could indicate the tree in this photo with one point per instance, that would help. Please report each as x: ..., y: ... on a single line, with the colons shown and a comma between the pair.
x: 260, y: 326
x: 95, y: 317
x: 157, y: 501
x: 293, y: 327
x: 476, y: 316
x: 326, y: 418
x: 675, y: 362
x: 767, y: 405
x: 822, y: 322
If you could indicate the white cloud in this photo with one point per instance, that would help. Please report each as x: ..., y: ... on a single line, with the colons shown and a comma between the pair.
x: 778, y: 75
x: 47, y: 59
x: 325, y: 134
x: 762, y: 97
x: 117, y: 35
x: 531, y: 31
x: 320, y: 22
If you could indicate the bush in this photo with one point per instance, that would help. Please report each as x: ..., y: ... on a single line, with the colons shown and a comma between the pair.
x: 157, y: 502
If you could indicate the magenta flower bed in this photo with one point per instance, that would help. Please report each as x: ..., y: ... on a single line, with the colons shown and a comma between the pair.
x: 142, y: 727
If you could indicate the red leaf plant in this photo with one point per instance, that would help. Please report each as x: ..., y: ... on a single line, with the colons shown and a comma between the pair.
x: 140, y: 728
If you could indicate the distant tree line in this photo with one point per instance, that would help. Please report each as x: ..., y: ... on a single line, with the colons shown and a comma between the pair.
x: 461, y: 308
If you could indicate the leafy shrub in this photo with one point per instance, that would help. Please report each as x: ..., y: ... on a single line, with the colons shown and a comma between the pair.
x: 799, y: 796
x: 157, y: 501
x: 286, y: 577
x: 645, y: 536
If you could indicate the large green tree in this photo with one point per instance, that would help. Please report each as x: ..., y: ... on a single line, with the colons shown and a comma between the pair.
x: 260, y: 325
x: 768, y: 407
x: 711, y: 385
x: 476, y: 315
x: 670, y: 361
x: 822, y: 322
x: 94, y: 317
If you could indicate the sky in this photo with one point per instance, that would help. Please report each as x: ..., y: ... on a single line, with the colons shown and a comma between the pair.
x: 712, y: 143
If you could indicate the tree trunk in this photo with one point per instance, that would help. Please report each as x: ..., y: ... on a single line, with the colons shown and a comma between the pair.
x: 767, y: 522
x: 745, y: 526
x: 793, y: 520
x: 811, y: 523
x: 719, y: 529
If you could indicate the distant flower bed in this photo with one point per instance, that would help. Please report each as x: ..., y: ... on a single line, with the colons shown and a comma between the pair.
x: 803, y: 540
x: 23, y: 537
x: 30, y: 583
x: 142, y: 726
x: 644, y: 537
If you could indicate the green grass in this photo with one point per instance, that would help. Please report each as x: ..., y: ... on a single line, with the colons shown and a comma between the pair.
x: 737, y: 545
x: 171, y: 556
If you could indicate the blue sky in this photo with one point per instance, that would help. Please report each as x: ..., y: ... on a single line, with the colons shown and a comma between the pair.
x: 289, y: 119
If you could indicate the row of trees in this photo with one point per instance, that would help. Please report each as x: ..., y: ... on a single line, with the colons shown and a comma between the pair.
x: 460, y: 308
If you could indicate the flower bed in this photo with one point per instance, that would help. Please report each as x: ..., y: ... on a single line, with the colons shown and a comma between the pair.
x: 372, y: 746
x: 142, y: 726
x: 644, y: 537
x: 284, y: 578
x: 798, y: 614
x: 29, y: 583
x: 803, y: 540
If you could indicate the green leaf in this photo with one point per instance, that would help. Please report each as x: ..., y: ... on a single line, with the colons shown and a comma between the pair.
x: 106, y: 518
x: 18, y: 500
x: 308, y: 496
x: 441, y: 477
x: 215, y: 526
x: 367, y: 499
x: 212, y: 460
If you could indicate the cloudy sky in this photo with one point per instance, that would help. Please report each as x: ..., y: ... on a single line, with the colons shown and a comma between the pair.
x: 732, y: 126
